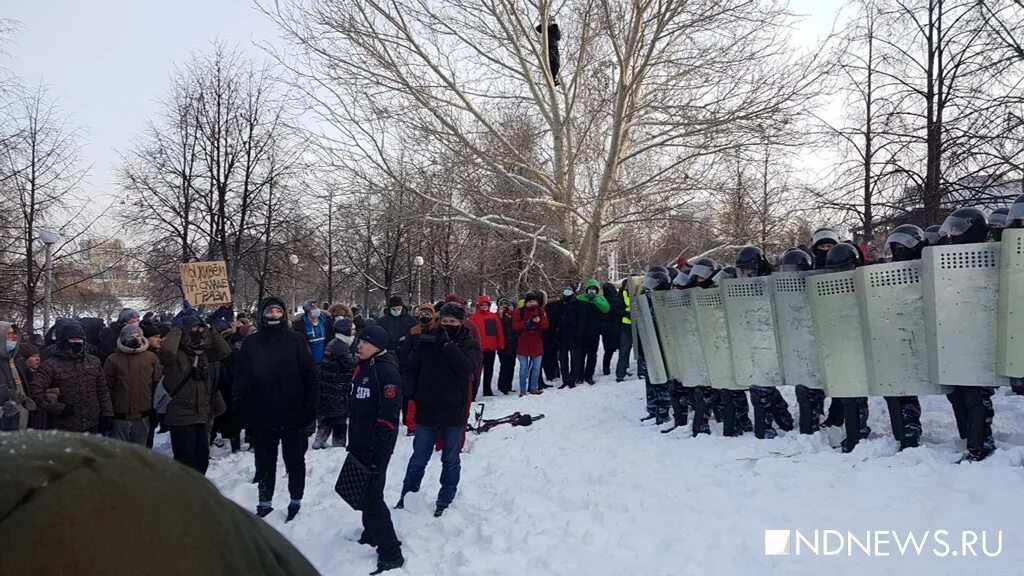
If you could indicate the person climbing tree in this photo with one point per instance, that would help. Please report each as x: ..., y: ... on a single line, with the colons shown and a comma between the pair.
x: 554, y: 58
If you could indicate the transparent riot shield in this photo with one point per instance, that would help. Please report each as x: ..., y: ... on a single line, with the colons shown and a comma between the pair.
x: 680, y: 342
x: 892, y: 318
x: 961, y: 291
x: 835, y: 314
x: 1010, y: 342
x: 793, y: 324
x: 647, y: 332
x: 752, y: 339
x: 714, y: 338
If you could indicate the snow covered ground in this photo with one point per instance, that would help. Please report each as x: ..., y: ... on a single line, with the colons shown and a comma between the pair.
x: 590, y: 490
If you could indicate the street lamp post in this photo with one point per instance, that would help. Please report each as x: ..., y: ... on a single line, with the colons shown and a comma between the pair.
x: 48, y: 237
x: 417, y: 262
x: 295, y: 283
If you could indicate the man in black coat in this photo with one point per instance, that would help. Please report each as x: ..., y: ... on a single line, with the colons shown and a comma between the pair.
x: 275, y: 391
x: 439, y: 371
x: 571, y: 326
x: 397, y: 322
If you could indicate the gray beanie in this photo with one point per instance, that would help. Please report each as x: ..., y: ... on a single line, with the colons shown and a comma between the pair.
x: 127, y: 314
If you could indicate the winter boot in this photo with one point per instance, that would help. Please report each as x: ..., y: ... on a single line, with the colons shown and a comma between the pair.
x: 522, y: 393
x: 293, y: 510
x: 401, y: 503
x: 537, y: 392
x: 263, y: 509
x: 439, y: 511
x: 835, y: 414
x: 385, y: 565
x: 320, y: 442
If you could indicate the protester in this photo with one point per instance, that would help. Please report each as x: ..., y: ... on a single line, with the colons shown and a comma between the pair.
x: 315, y: 327
x: 611, y: 323
x: 439, y: 368
x: 186, y: 355
x: 108, y: 337
x: 70, y: 385
x: 373, y: 431
x: 507, y: 353
x: 15, y: 405
x: 276, y: 393
x: 595, y: 307
x: 529, y: 323
x: 396, y: 322
x: 335, y: 379
x: 571, y: 333
x: 425, y: 321
x: 132, y: 373
x: 492, y: 339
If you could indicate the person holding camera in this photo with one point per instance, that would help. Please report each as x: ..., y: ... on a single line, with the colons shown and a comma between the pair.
x: 438, y: 374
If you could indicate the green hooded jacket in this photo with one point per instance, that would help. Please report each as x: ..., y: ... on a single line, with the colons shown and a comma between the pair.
x: 600, y: 301
x: 81, y: 505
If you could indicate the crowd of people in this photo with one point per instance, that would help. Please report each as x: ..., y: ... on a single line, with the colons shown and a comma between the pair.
x: 971, y: 405
x: 327, y: 374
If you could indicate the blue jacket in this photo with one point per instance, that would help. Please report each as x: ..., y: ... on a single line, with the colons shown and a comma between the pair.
x: 318, y: 337
x: 375, y: 403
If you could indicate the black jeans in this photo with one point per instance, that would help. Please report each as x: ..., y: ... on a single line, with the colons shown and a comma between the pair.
x: 378, y: 529
x: 488, y: 372
x: 567, y: 357
x: 293, y: 442
x: 506, y: 372
x: 591, y: 342
x: 191, y: 446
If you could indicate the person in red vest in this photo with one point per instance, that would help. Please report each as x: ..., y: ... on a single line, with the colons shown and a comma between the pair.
x: 492, y: 338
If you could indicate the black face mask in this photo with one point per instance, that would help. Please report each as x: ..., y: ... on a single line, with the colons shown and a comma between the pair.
x: 426, y: 320
x: 452, y: 331
x: 75, y: 348
x: 195, y: 339
x: 133, y: 343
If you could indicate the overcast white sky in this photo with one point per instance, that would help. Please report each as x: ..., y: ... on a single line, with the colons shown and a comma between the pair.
x: 107, y: 62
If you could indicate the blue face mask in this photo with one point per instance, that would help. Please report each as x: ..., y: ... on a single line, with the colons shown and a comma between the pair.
x: 396, y: 312
x: 11, y: 346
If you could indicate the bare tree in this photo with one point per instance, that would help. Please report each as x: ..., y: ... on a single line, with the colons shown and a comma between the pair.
x: 646, y: 90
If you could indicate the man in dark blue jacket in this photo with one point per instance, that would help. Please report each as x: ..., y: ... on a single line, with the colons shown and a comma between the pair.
x: 373, y: 430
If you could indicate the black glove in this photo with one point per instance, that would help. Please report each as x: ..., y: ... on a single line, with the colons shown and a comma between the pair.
x: 106, y: 423
x: 442, y: 336
x: 67, y: 412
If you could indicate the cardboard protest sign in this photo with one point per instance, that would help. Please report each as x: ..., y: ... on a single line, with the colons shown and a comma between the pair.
x: 205, y: 282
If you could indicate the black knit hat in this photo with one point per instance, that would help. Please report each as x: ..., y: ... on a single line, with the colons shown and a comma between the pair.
x: 395, y: 302
x: 453, y: 310
x: 149, y: 330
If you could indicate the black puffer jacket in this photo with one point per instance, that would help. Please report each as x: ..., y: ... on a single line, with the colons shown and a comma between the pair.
x: 276, y: 383
x: 439, y: 370
x: 336, y: 378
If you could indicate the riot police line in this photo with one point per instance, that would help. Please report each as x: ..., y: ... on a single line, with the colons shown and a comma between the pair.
x: 944, y: 316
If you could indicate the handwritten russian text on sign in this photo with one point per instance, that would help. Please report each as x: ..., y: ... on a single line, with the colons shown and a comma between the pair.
x: 205, y: 282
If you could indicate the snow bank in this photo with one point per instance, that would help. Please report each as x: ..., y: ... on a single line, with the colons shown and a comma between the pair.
x: 590, y: 490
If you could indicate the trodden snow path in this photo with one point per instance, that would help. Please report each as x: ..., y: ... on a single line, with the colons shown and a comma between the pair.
x: 590, y: 490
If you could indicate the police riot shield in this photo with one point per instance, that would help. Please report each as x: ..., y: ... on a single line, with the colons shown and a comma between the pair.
x: 714, y: 338
x: 797, y: 348
x: 668, y: 334
x: 1010, y: 344
x: 892, y: 318
x: 835, y: 314
x: 961, y: 291
x: 680, y: 342
x: 647, y: 332
x: 755, y: 350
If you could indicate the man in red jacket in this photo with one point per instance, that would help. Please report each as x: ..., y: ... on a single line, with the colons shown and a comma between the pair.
x: 492, y: 338
x: 530, y: 322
